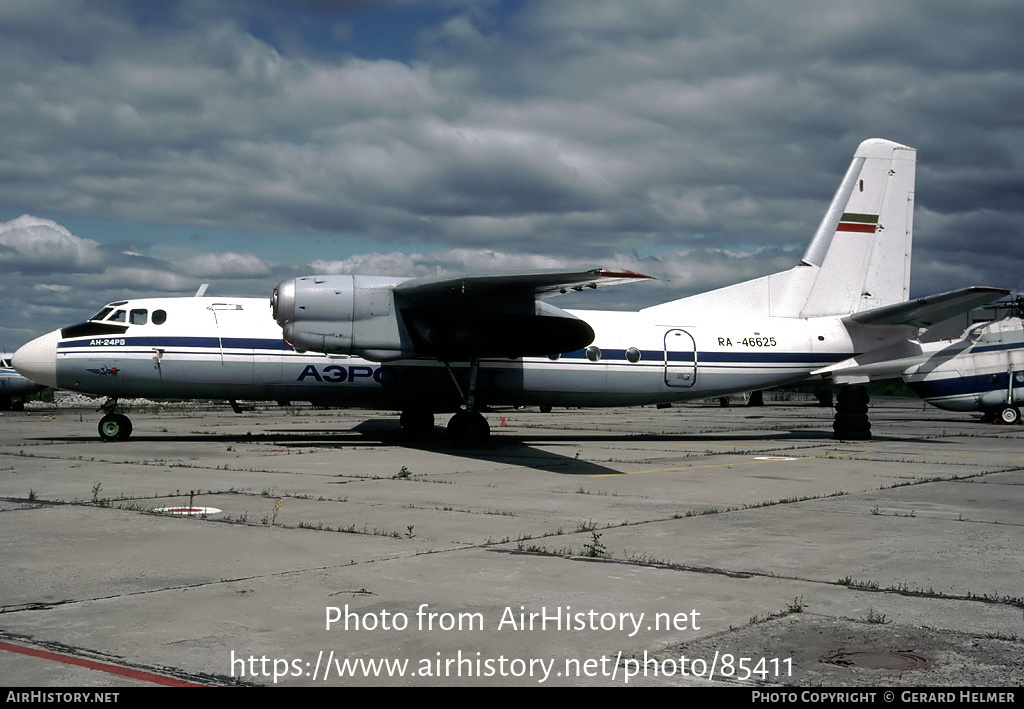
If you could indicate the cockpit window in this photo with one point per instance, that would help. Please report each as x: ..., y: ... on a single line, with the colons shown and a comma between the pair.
x: 118, y: 316
x: 159, y: 317
x: 102, y: 314
x: 138, y: 317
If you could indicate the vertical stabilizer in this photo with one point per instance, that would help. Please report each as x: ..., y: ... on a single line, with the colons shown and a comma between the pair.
x: 862, y: 247
x: 858, y: 259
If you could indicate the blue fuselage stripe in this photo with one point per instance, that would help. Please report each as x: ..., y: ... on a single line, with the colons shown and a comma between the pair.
x: 112, y: 345
x: 116, y: 343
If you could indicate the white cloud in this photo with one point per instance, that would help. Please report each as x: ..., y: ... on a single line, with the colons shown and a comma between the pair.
x: 226, y: 265
x: 32, y: 244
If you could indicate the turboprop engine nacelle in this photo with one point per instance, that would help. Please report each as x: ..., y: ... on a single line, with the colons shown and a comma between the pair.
x: 343, y: 315
x: 384, y: 318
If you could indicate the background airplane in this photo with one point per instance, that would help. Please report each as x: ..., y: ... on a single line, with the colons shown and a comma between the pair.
x: 14, y: 387
x: 461, y: 344
x: 981, y: 371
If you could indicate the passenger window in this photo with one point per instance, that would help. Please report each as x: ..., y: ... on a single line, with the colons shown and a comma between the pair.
x: 116, y: 317
x: 138, y: 317
x: 159, y: 317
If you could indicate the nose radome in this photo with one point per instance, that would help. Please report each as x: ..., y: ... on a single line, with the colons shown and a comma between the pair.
x: 37, y: 360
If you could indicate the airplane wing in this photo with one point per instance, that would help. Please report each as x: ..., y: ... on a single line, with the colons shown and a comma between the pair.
x: 484, y: 314
x: 925, y: 312
x: 504, y: 285
x: 498, y: 313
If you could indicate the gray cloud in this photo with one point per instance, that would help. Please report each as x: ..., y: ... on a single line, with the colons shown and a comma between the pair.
x: 576, y: 132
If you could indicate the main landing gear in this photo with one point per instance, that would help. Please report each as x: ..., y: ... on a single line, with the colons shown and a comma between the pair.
x: 468, y: 428
x: 851, y: 421
x: 114, y: 427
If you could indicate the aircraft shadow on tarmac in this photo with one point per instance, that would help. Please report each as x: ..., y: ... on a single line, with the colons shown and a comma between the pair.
x: 520, y: 448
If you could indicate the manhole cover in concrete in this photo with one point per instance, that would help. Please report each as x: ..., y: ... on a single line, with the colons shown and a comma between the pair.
x: 876, y: 659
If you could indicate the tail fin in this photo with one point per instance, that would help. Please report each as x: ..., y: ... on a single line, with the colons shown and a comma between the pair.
x: 862, y: 247
x: 859, y: 257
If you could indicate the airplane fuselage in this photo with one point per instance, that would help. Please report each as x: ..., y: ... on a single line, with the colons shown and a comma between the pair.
x: 462, y: 343
x: 231, y: 348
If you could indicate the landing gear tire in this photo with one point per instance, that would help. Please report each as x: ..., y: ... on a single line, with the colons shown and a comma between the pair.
x: 851, y: 421
x: 1009, y: 415
x: 417, y: 422
x: 468, y: 429
x: 115, y: 427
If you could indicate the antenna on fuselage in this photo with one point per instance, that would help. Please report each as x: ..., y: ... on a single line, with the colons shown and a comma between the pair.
x: 202, y: 290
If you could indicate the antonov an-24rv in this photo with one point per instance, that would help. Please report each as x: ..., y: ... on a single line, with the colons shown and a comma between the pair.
x: 460, y: 344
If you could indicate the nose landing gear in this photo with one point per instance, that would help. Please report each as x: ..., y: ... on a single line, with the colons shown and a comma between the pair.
x: 113, y: 426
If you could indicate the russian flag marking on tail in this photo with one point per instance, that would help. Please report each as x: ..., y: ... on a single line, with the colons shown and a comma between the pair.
x: 864, y: 223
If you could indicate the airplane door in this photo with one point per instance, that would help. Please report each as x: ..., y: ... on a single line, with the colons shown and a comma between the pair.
x: 235, y: 364
x: 680, y: 359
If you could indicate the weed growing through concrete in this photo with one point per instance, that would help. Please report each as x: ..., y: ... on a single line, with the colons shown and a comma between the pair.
x: 797, y: 606
x: 850, y: 582
x: 588, y: 526
x: 875, y: 618
x: 594, y: 548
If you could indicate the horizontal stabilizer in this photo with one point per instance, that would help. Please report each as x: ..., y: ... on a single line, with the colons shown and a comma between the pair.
x: 925, y: 312
x: 889, y: 363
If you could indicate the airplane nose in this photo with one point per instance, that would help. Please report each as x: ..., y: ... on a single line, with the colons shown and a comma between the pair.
x: 37, y: 360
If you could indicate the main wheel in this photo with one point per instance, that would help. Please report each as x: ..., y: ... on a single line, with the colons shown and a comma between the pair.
x: 468, y: 429
x: 115, y: 427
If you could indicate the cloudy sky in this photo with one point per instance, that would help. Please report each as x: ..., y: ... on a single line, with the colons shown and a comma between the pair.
x: 146, y: 148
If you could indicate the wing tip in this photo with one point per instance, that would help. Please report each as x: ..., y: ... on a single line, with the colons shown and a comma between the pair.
x: 621, y: 273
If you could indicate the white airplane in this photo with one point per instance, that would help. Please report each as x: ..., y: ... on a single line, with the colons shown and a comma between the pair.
x: 460, y: 344
x: 982, y: 371
x: 14, y: 387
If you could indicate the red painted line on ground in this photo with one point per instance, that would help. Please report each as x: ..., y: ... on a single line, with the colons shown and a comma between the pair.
x: 140, y: 675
